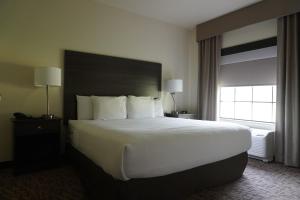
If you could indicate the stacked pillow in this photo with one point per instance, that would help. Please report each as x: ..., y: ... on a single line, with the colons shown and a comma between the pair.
x: 109, y: 107
x: 122, y: 107
x: 140, y: 107
x: 158, y: 108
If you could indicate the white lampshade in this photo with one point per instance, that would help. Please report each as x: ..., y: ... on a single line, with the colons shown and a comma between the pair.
x: 50, y: 76
x: 174, y: 85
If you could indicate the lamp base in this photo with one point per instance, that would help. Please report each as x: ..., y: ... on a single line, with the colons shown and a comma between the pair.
x: 48, y: 116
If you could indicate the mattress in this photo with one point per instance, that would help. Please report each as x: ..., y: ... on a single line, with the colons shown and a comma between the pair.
x: 143, y: 148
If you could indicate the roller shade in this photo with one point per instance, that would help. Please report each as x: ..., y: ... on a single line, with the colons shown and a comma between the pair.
x: 255, y: 72
x: 258, y: 54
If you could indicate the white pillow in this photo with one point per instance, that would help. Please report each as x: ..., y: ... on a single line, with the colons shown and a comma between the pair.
x: 106, y: 108
x: 159, y: 111
x: 140, y: 107
x: 84, y: 108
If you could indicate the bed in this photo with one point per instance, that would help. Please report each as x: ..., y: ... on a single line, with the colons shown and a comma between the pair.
x: 159, y: 158
x: 145, y: 148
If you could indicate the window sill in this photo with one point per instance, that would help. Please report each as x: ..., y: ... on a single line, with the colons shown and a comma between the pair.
x: 251, y: 124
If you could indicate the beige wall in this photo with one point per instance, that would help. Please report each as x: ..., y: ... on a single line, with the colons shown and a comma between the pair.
x: 34, y: 33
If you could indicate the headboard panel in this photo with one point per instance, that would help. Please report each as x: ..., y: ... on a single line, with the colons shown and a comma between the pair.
x: 92, y: 74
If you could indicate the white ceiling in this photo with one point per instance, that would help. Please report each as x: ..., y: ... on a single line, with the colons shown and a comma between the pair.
x: 184, y: 13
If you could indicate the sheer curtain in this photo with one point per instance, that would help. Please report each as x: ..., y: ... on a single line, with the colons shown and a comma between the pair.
x: 287, y: 134
x: 209, y: 67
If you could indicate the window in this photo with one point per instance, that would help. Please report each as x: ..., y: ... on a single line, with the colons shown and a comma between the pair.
x: 254, y: 103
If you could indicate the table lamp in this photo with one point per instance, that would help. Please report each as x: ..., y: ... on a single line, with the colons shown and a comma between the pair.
x: 173, y: 86
x: 45, y: 77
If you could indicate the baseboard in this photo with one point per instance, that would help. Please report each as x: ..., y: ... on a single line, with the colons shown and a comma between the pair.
x: 6, y: 164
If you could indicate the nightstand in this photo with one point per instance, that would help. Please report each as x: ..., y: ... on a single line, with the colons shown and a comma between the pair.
x: 187, y: 116
x: 36, y: 144
x: 184, y: 116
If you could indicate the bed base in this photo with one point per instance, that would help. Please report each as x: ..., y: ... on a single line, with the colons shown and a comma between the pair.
x: 177, y: 186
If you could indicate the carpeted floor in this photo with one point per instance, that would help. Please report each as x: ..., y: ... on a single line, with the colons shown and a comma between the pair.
x: 260, y: 181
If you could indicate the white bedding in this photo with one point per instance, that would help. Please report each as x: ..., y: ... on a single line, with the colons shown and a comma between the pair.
x: 140, y: 148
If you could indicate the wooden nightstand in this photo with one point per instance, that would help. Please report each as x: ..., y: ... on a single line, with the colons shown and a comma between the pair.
x: 36, y: 144
x: 184, y: 116
x: 187, y: 116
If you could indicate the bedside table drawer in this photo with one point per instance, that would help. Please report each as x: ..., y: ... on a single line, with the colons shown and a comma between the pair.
x: 187, y: 116
x: 37, y: 127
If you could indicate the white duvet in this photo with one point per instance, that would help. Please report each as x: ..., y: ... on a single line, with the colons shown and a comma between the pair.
x: 141, y: 148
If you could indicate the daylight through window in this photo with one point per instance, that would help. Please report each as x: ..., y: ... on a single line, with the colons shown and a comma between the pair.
x: 254, y: 103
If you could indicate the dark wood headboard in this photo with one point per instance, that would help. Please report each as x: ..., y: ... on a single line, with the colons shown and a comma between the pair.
x: 92, y: 74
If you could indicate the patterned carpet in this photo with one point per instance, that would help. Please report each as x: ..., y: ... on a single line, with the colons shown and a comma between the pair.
x: 260, y: 181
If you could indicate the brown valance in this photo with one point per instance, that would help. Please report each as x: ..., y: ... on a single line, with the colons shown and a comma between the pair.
x: 264, y: 10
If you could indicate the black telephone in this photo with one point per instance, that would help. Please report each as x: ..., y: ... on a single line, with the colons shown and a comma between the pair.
x: 19, y: 115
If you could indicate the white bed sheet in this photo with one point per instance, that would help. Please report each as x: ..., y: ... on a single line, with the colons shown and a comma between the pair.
x: 141, y: 148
